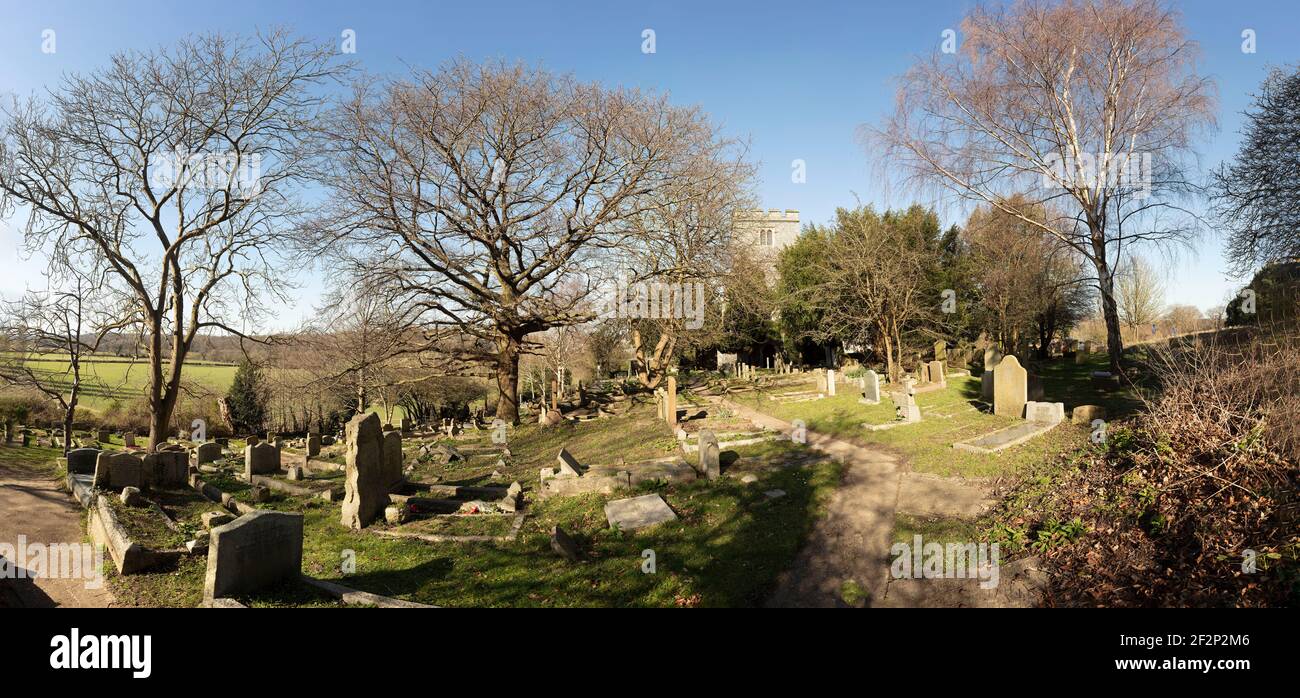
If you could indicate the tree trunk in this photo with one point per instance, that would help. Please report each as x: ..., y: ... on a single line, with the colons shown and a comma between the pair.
x: 1109, y: 308
x: 508, y: 378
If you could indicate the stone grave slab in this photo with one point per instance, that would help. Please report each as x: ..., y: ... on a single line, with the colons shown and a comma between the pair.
x: 638, y: 512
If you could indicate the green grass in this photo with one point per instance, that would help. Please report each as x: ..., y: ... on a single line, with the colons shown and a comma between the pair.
x: 33, y: 462
x: 726, y: 549
x: 948, y: 416
x: 935, y: 529
x: 107, y: 380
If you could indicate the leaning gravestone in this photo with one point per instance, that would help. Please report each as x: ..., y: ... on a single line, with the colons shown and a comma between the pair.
x: 710, y: 459
x: 568, y: 465
x: 392, y: 476
x: 905, y: 407
x: 1010, y: 388
x: 261, y: 459
x: 365, y: 495
x: 257, y: 550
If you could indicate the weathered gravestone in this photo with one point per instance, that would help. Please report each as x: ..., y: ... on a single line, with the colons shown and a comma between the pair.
x: 102, y: 436
x: 830, y: 382
x: 1045, y: 412
x: 821, y: 380
x: 392, y: 476
x: 166, y: 468
x: 905, y: 407
x: 1084, y: 414
x: 261, y: 459
x: 257, y: 550
x: 568, y: 465
x: 128, y: 439
x: 940, y: 351
x: 638, y: 512
x: 365, y: 494
x: 938, y: 373
x: 81, y: 461
x: 313, y: 443
x: 710, y: 459
x: 1010, y: 388
x: 670, y: 402
x: 871, y: 388
x: 207, y: 453
x: 117, y: 470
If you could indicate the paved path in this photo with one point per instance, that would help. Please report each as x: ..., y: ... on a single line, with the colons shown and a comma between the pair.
x: 39, y: 510
x: 851, y: 542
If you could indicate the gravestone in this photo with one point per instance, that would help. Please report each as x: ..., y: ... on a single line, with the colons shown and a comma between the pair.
x: 905, y: 407
x: 166, y: 468
x: 9, y: 431
x: 940, y: 351
x: 670, y: 402
x: 938, y: 373
x: 313, y: 444
x: 710, y: 459
x: 117, y: 470
x: 257, y: 550
x: 392, y: 476
x: 638, y: 512
x: 81, y: 461
x: 207, y: 452
x: 871, y: 387
x: 1084, y: 414
x: 261, y: 459
x: 128, y: 439
x: 1010, y: 388
x: 563, y: 545
x: 568, y: 464
x: 365, y: 495
x: 821, y: 380
x: 830, y: 382
x: 1045, y: 412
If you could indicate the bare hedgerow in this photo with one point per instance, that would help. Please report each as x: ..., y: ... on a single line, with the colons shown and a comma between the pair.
x: 1196, y: 501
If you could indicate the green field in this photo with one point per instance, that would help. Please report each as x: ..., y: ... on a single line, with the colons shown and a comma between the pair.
x: 110, y: 379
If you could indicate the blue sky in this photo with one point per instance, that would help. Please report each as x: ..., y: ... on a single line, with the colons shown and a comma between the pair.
x: 796, y: 78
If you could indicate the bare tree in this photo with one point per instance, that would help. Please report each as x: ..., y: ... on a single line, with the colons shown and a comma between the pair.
x: 1258, y: 193
x: 179, y: 169
x: 1141, y: 294
x: 1184, y: 318
x: 484, y: 196
x: 1092, y: 103
x: 50, y: 334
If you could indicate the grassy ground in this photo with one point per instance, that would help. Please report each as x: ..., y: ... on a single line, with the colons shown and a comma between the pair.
x: 726, y: 549
x: 110, y: 379
x: 948, y: 416
x: 29, y: 463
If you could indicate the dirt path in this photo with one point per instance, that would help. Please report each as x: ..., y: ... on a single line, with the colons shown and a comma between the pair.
x: 40, y: 511
x: 850, y: 544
